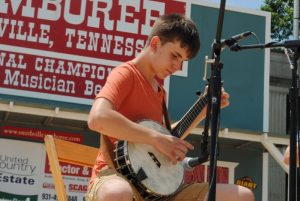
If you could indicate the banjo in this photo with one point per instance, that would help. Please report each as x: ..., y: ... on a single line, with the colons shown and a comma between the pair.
x: 153, y: 174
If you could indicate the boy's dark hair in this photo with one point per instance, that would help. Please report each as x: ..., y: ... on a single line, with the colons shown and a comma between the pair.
x: 172, y: 27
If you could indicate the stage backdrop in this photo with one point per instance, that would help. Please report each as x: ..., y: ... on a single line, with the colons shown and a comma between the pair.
x: 245, y: 74
x: 58, y: 51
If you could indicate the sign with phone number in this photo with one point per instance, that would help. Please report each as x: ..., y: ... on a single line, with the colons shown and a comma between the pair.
x: 24, y: 166
x: 48, y: 196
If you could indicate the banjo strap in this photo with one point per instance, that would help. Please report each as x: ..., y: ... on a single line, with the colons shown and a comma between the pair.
x: 166, y: 115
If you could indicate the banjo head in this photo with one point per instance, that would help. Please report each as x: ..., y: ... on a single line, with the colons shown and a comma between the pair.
x: 155, y: 171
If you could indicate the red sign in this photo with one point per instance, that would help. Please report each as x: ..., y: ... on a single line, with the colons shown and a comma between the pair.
x: 37, y: 134
x: 70, y: 169
x: 62, y: 50
x: 198, y: 175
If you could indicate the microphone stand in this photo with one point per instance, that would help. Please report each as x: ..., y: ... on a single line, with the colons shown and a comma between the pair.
x: 294, y: 47
x: 294, y: 93
x: 214, y: 102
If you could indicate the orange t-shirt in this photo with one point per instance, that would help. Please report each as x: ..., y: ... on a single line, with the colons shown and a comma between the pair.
x: 133, y: 96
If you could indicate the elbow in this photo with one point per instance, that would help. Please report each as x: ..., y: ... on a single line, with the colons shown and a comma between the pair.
x: 98, y: 121
x: 91, y: 123
x: 100, y: 115
x: 94, y: 121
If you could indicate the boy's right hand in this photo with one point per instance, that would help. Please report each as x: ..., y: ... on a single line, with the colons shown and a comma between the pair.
x: 172, y: 147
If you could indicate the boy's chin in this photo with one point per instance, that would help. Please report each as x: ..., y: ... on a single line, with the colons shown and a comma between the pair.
x: 163, y: 76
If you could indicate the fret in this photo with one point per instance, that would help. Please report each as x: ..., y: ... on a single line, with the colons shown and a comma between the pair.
x: 189, y: 117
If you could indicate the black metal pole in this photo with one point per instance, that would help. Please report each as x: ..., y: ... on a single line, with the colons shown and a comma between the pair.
x: 294, y: 46
x: 215, y: 91
x: 294, y: 93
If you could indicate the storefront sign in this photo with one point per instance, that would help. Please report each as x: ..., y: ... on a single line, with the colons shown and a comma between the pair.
x: 64, y: 51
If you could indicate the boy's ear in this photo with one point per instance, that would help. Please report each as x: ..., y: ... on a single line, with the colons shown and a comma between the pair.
x: 154, y: 42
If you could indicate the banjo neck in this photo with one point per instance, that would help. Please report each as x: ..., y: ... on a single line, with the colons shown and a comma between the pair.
x: 188, y: 121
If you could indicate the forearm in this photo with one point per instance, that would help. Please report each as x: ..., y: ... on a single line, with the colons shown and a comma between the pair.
x: 114, y: 124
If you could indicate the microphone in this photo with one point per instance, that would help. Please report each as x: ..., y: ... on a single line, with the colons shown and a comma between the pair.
x: 189, y: 163
x: 234, y: 39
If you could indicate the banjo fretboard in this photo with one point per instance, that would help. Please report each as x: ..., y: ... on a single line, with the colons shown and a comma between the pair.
x: 189, y: 117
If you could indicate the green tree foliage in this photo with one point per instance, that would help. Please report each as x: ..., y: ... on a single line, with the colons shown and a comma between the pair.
x: 282, y: 18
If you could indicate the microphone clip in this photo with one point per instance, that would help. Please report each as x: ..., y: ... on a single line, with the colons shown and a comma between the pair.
x: 234, y: 39
x: 189, y: 163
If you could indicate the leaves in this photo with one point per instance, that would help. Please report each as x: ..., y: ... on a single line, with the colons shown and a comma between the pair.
x: 281, y: 18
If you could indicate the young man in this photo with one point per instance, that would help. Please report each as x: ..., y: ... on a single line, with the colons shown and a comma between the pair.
x: 132, y: 93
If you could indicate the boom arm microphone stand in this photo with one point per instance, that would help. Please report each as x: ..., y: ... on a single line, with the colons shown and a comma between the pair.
x: 294, y: 47
x: 214, y: 102
x: 293, y: 56
x: 294, y: 93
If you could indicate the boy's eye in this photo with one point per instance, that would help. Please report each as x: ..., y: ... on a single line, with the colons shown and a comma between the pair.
x: 175, y: 57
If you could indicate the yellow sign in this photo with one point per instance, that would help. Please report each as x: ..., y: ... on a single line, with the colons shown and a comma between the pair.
x: 246, y: 182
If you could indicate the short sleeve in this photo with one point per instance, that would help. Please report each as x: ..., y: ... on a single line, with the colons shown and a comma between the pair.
x: 118, y: 85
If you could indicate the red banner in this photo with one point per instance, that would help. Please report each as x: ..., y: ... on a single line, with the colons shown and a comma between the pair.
x: 70, y: 169
x: 198, y: 175
x: 37, y: 134
x: 63, y: 50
